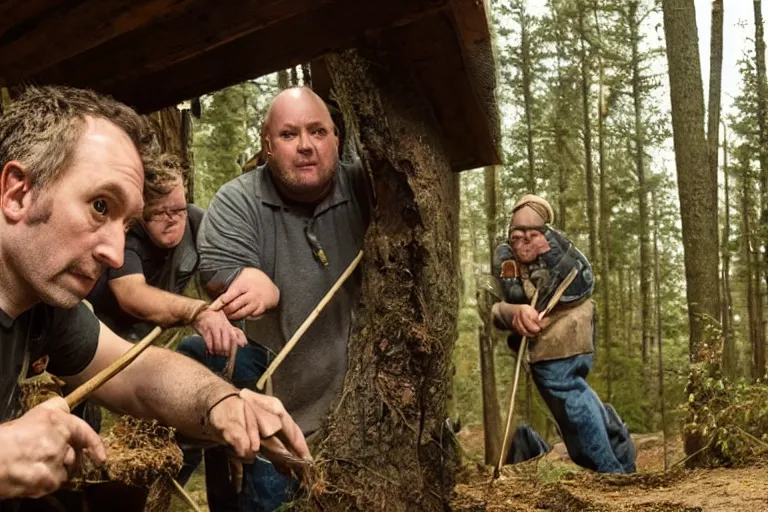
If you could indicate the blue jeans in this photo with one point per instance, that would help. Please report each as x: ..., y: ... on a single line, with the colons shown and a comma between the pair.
x: 595, y: 438
x: 264, y: 488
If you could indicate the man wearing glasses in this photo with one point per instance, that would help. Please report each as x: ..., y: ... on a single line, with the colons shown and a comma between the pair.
x: 160, y: 260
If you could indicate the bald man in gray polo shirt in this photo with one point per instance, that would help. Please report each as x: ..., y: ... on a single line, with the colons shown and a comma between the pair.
x: 275, y: 240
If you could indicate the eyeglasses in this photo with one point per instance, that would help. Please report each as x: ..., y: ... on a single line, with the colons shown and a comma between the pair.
x: 171, y: 214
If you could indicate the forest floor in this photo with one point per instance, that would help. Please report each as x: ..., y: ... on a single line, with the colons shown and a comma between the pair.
x: 554, y: 483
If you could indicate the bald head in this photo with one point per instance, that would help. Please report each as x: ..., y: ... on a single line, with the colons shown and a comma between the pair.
x: 301, y: 144
x: 290, y: 98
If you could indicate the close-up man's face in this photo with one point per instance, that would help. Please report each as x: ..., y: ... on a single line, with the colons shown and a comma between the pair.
x: 166, y: 219
x: 527, y: 235
x: 300, y: 135
x: 61, y: 238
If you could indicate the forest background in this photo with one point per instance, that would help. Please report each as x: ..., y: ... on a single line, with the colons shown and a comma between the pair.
x: 585, y: 103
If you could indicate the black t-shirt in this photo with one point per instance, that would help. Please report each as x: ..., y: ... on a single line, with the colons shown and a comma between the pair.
x: 68, y: 336
x: 167, y: 269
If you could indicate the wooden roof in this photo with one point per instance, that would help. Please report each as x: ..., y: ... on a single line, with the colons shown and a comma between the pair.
x: 155, y: 53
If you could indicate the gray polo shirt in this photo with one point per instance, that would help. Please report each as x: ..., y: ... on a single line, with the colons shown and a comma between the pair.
x: 248, y: 224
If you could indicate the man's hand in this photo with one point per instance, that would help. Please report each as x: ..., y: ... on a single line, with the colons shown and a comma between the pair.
x: 40, y: 449
x: 526, y: 321
x: 250, y: 295
x: 250, y: 421
x: 218, y: 333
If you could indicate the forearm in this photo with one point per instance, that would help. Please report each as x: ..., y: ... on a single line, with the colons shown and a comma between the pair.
x: 503, y: 312
x: 159, y: 307
x: 166, y: 386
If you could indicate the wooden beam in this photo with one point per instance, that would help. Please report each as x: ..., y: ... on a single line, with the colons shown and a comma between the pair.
x: 15, y: 15
x: 322, y: 28
x: 462, y: 99
x: 203, y: 26
x: 70, y: 28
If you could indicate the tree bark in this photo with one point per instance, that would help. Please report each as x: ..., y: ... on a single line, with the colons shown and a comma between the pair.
x: 283, y: 79
x: 695, y: 183
x: 642, y: 187
x: 715, y: 84
x: 761, y: 123
x: 605, y: 237
x: 386, y: 447
x: 729, y: 342
x: 306, y: 76
x: 491, y: 409
x: 173, y: 130
x: 659, y: 323
x: 525, y: 65
x: 588, y: 172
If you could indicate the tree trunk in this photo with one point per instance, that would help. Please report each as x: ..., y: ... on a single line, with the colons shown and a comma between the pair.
x: 659, y: 323
x: 761, y: 114
x: 605, y: 237
x: 386, y: 447
x: 753, y: 295
x: 715, y: 84
x: 560, y: 128
x: 588, y: 173
x: 306, y: 76
x: 491, y: 409
x: 525, y: 63
x: 695, y: 183
x: 294, y: 76
x: 173, y: 129
x: 729, y: 342
x: 642, y: 187
x: 630, y: 308
x: 283, y: 79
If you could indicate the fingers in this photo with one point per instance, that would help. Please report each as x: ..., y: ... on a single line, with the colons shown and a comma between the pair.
x: 252, y: 427
x: 277, y: 422
x: 83, y: 438
x: 238, y: 336
x: 242, y: 302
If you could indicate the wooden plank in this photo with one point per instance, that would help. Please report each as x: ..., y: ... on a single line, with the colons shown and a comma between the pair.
x: 322, y: 29
x: 15, y: 14
x: 70, y: 28
x: 469, y: 120
x: 202, y: 26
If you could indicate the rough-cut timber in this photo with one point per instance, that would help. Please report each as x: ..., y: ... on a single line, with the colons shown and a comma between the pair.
x: 387, y: 447
x: 156, y: 53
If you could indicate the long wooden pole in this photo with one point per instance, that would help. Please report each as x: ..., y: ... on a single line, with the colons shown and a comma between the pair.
x: 520, y: 356
x: 308, y: 322
x: 81, y: 393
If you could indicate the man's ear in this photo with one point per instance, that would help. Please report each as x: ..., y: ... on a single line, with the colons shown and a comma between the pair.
x: 15, y: 190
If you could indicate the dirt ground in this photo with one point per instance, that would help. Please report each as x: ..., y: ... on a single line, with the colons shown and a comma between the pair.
x: 556, y: 484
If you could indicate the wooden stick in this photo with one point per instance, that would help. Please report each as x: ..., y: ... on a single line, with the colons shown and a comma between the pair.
x: 81, y: 393
x: 308, y: 322
x: 511, y: 410
x: 521, y: 354
x: 184, y: 496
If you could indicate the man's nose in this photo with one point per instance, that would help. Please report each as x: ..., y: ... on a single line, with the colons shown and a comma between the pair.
x: 111, y: 249
x: 305, y: 143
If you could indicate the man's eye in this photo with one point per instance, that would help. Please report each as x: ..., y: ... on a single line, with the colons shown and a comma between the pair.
x: 320, y: 131
x: 286, y: 135
x: 99, y: 206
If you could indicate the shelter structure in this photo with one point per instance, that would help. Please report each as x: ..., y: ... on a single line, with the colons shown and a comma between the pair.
x: 415, y: 81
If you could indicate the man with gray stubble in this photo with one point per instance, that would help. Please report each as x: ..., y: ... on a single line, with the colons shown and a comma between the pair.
x: 272, y: 244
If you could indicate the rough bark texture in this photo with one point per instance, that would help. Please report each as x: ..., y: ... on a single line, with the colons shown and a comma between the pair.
x: 173, y: 128
x: 696, y: 185
x: 715, y: 85
x: 605, y: 237
x: 759, y: 346
x: 386, y: 446
x: 642, y: 187
x: 588, y: 173
x: 729, y: 349
x: 491, y: 409
x: 659, y: 324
